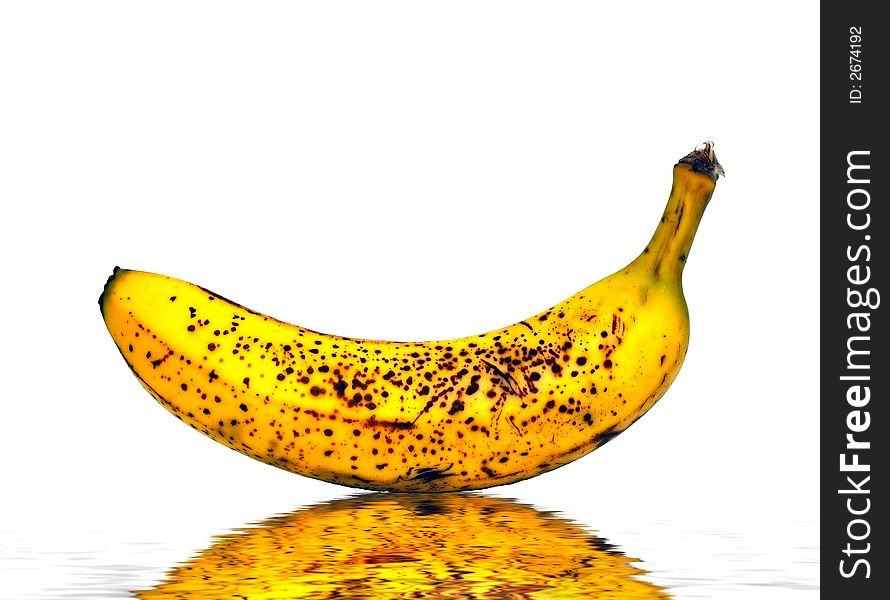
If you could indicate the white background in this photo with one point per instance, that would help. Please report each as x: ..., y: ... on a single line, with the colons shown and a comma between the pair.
x: 410, y: 170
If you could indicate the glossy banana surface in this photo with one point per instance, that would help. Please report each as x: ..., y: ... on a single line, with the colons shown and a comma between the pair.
x: 459, y: 414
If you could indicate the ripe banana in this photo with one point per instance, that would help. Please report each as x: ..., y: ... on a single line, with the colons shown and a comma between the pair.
x: 379, y: 546
x: 460, y: 414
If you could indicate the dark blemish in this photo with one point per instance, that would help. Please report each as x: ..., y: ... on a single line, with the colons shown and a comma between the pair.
x: 328, y: 432
x: 503, y: 459
x: 469, y: 420
x: 130, y: 347
x: 507, y: 381
x: 424, y: 390
x: 243, y: 407
x: 191, y: 327
x: 315, y: 390
x: 356, y: 432
x: 550, y: 404
x: 340, y: 386
x: 605, y: 436
x: 662, y: 359
x: 217, y: 399
x: 172, y: 298
x: 524, y: 424
x: 211, y: 346
x: 472, y: 389
x: 373, y: 422
x: 488, y: 471
x: 456, y: 407
x: 381, y: 467
x: 555, y: 368
x: 328, y: 452
x: 682, y: 258
x: 527, y: 325
x: 246, y: 381
x: 607, y: 363
x: 430, y: 474
x: 581, y: 361
x: 206, y: 411
x: 184, y: 387
x: 323, y: 369
x: 604, y: 333
x: 535, y: 376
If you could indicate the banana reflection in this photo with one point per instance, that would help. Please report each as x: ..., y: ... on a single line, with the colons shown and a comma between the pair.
x: 399, y: 545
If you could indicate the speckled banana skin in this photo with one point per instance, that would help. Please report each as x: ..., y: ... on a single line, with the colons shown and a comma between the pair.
x: 459, y: 414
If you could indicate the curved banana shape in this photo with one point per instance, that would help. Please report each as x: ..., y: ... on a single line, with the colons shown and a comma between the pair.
x: 379, y: 546
x: 460, y: 414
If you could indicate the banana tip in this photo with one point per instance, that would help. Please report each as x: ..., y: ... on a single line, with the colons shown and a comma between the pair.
x: 105, y: 288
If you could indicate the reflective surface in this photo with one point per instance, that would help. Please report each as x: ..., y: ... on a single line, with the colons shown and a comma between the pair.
x: 390, y: 546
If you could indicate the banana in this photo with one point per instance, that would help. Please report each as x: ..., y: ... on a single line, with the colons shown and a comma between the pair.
x: 378, y: 546
x: 468, y: 413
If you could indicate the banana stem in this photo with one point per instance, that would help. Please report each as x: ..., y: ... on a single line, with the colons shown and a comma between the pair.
x: 703, y: 160
x: 695, y: 177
